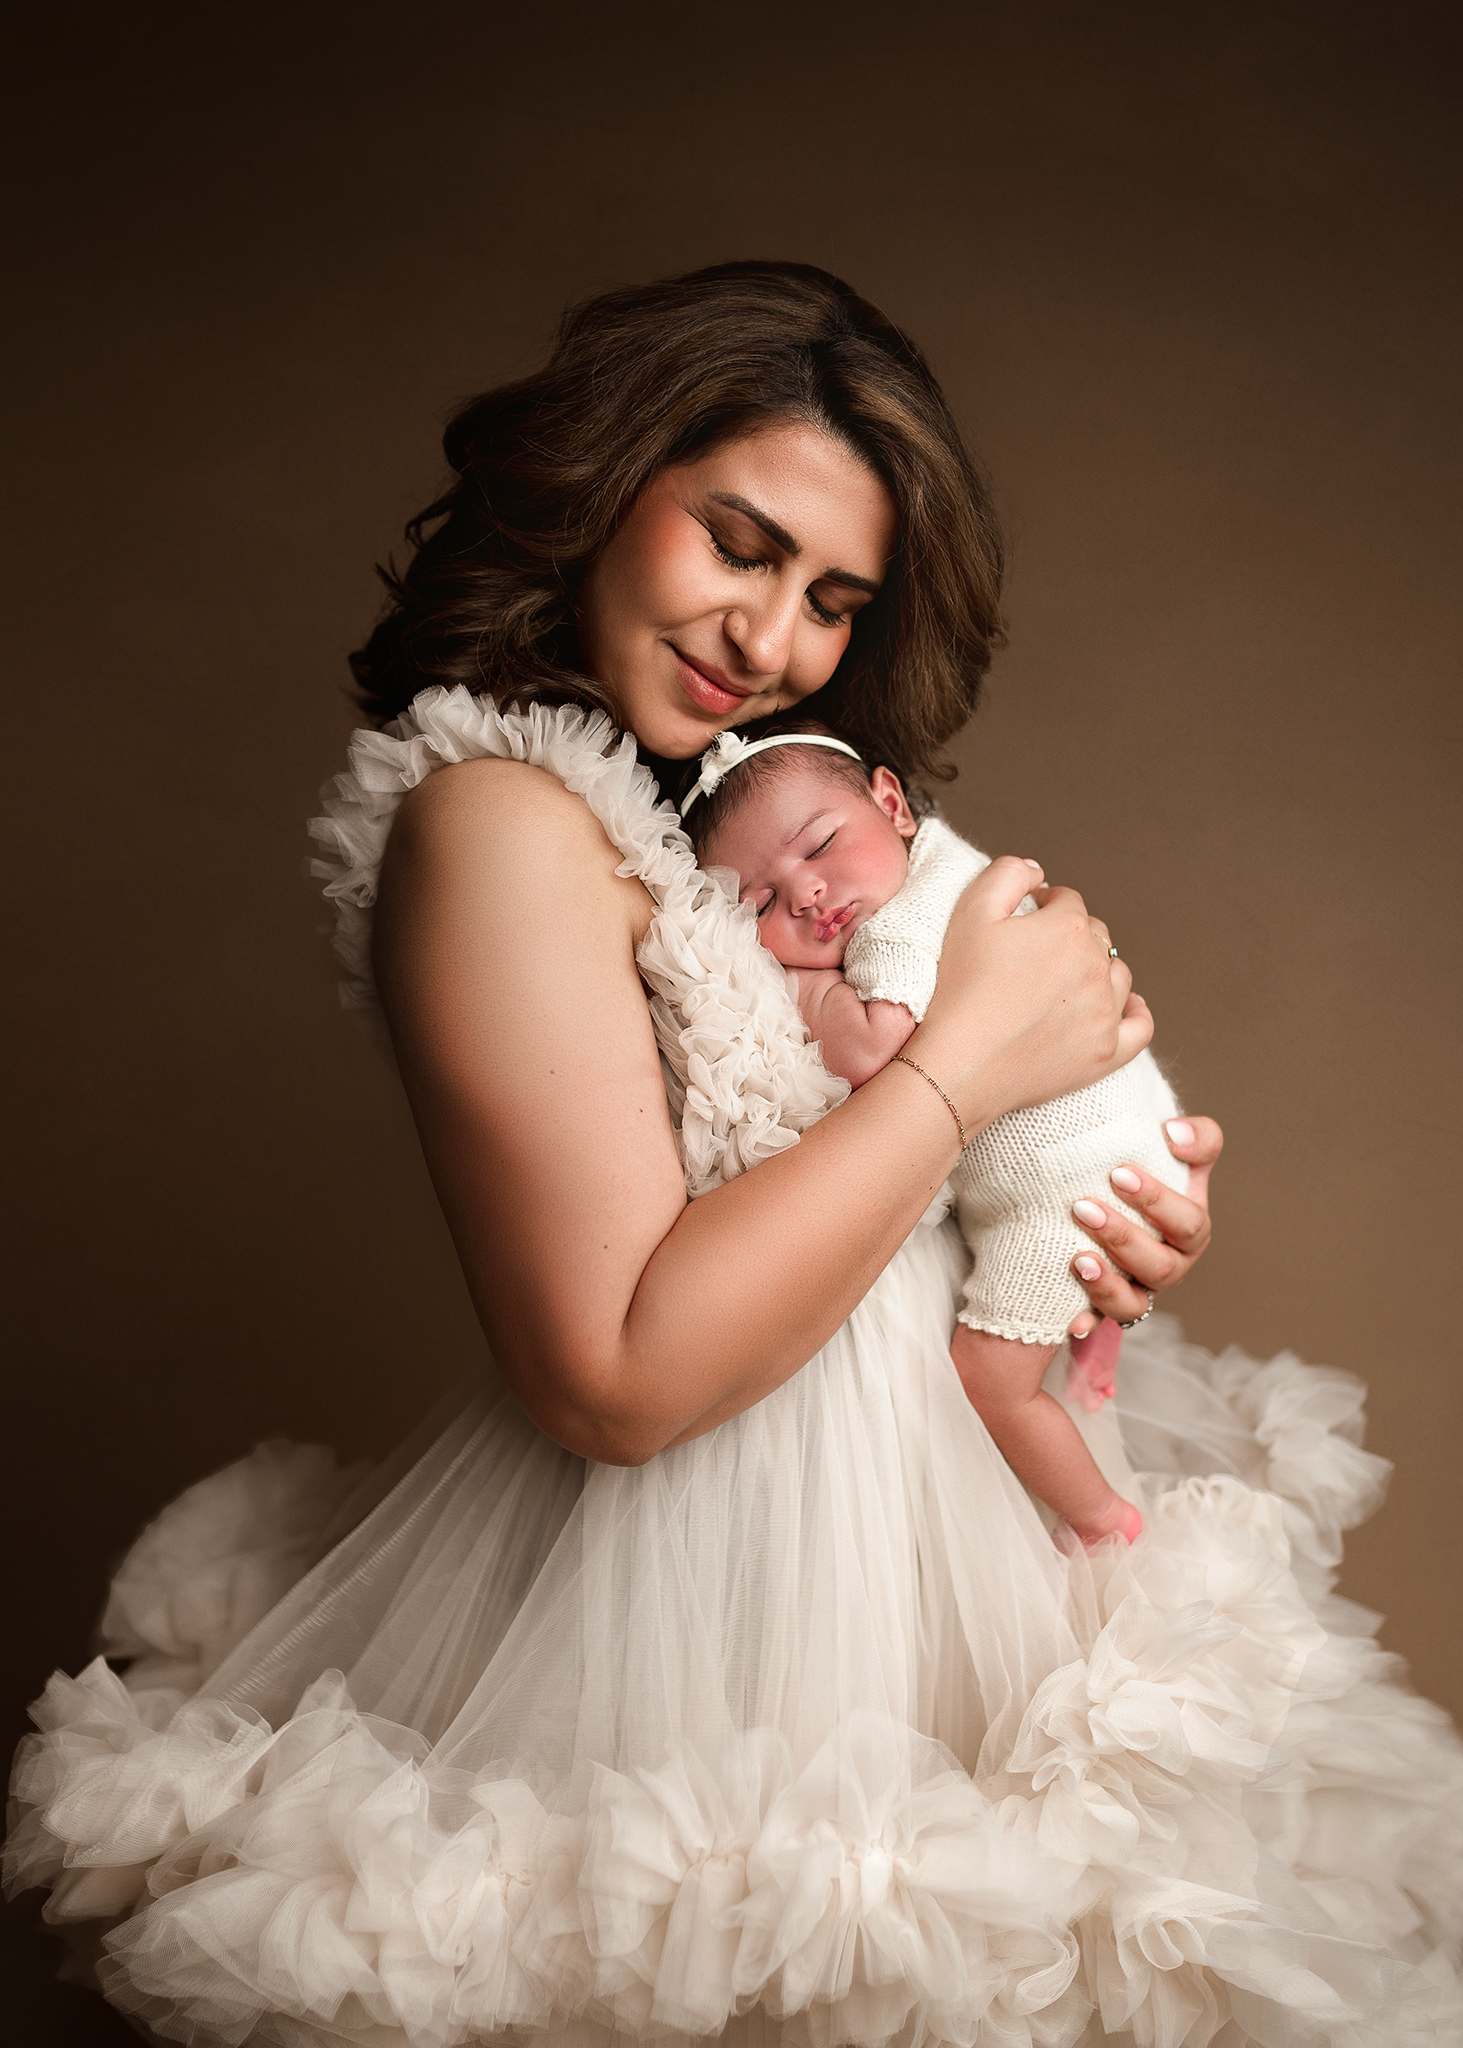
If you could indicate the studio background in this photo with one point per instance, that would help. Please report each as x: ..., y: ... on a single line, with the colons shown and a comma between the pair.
x: 1189, y: 279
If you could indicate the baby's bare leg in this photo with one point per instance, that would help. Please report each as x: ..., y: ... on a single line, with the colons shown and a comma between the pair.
x: 1035, y: 1434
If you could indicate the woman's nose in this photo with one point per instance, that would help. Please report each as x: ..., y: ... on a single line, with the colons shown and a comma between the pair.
x: 762, y: 633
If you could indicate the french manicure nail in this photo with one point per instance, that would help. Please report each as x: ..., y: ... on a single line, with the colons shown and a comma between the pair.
x: 1089, y: 1212
x: 1179, y: 1131
x: 1124, y: 1178
x: 1090, y: 1269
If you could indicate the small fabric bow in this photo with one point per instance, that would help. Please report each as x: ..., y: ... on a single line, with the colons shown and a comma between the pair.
x: 724, y: 754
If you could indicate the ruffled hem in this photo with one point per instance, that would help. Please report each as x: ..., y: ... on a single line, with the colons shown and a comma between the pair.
x: 743, y: 1079
x: 1223, y: 1822
x: 216, y: 1560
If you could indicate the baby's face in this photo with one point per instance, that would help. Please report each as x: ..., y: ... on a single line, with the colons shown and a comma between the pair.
x: 816, y: 857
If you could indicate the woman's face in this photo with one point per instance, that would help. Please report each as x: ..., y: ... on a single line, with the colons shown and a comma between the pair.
x: 729, y: 591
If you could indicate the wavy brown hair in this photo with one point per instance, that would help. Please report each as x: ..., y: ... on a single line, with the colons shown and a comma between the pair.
x: 546, y: 469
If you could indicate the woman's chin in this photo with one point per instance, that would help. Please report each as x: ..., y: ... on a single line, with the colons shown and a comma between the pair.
x: 668, y: 722
x: 674, y: 732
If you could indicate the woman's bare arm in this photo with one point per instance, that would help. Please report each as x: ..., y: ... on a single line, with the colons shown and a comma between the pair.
x: 624, y: 1318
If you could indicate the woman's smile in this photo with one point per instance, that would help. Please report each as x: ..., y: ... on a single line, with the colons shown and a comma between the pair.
x: 709, y: 688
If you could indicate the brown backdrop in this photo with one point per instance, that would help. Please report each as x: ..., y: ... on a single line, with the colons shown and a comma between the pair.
x: 1186, y: 275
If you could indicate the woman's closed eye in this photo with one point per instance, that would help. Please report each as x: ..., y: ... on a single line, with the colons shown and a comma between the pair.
x: 732, y: 561
x: 822, y: 612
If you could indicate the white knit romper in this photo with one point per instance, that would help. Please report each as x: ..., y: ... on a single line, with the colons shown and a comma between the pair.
x: 1015, y: 1184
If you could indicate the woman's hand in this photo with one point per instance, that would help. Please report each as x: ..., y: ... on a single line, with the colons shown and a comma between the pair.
x: 1118, y: 1284
x: 1026, y: 1008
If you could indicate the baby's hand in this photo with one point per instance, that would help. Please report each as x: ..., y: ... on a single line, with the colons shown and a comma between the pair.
x: 811, y: 989
x: 858, y: 1039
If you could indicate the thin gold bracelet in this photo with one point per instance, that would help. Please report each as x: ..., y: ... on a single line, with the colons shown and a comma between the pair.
x: 905, y: 1061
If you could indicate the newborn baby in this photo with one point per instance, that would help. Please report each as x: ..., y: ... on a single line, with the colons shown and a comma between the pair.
x: 853, y: 895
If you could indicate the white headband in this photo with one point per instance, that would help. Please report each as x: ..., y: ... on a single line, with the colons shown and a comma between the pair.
x: 728, y: 751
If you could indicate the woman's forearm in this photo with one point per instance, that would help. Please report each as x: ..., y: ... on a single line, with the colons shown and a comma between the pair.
x: 756, y: 1277
x: 628, y: 1319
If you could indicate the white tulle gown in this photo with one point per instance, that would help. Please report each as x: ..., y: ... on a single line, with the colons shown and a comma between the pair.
x: 805, y: 1732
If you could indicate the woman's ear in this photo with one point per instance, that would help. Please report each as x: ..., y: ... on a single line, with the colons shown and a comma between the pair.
x: 888, y: 793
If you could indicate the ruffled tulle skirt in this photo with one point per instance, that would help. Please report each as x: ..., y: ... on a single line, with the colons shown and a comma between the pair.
x: 808, y: 1732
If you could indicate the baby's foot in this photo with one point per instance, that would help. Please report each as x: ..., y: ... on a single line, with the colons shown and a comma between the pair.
x: 1121, y: 1518
x: 1092, y: 1374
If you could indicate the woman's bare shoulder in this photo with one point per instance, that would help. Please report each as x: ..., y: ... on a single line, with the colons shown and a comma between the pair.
x: 490, y: 799
x: 509, y: 826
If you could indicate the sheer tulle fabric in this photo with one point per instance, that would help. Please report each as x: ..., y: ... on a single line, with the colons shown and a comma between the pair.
x: 806, y: 1732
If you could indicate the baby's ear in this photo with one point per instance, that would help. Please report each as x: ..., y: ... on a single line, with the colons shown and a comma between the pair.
x: 888, y: 793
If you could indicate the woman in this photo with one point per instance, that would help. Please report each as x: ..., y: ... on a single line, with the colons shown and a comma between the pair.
x: 712, y: 1671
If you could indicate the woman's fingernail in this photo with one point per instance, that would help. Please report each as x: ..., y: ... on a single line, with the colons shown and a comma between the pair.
x: 1089, y: 1269
x: 1123, y: 1177
x: 1089, y: 1212
x: 1034, y: 864
x: 1179, y: 1131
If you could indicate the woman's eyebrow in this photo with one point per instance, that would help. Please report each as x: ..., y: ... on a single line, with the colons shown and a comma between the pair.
x: 785, y: 541
x: 760, y: 518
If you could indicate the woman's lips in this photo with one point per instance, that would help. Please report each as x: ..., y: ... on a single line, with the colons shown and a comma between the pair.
x: 711, y: 692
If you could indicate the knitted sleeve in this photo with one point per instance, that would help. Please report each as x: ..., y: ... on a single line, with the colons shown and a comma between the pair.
x: 1015, y: 1184
x: 895, y: 956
